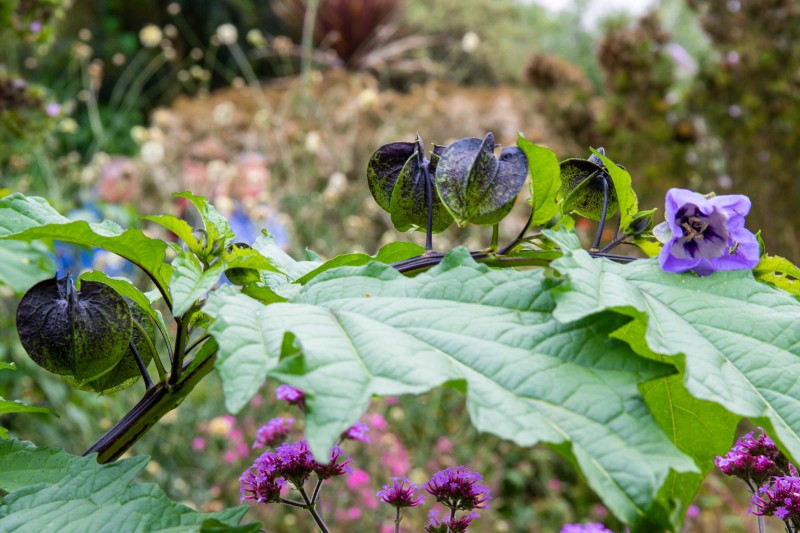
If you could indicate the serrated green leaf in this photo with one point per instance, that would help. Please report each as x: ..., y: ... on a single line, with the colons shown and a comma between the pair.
x: 391, y: 253
x: 190, y: 282
x: 23, y: 264
x: 780, y: 272
x: 545, y: 180
x: 28, y: 218
x: 292, y: 269
x: 52, y: 491
x: 180, y: 228
x: 738, y: 338
x: 357, y: 332
x: 628, y: 202
x: 217, y: 226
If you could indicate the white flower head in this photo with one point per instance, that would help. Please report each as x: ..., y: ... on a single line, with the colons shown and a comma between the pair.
x: 150, y: 36
x: 227, y: 34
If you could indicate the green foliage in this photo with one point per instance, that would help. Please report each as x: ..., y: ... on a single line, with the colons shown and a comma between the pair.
x: 50, y: 490
x: 22, y: 264
x: 545, y: 180
x: 9, y: 406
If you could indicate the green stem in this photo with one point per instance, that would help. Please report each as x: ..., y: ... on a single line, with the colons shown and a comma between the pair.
x: 397, y: 521
x: 180, y: 348
x: 148, y: 383
x: 162, y: 374
x: 495, y: 237
x: 602, y: 223
x: 519, y: 237
x: 429, y: 201
x: 311, y: 507
x: 156, y: 402
x: 309, y: 20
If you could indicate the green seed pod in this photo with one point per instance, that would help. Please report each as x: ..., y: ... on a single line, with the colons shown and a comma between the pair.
x: 82, y: 334
x: 397, y: 175
x: 126, y: 372
x: 582, y: 187
x: 642, y: 223
x: 474, y: 185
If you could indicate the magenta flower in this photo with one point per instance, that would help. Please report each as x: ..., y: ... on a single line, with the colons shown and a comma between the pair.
x: 401, y: 493
x: 261, y: 482
x: 291, y: 395
x: 273, y: 432
x: 453, y: 525
x: 459, y: 489
x: 591, y: 527
x: 781, y: 498
x: 357, y: 432
x: 754, y: 460
x: 294, y: 461
x: 334, y: 468
x: 708, y: 234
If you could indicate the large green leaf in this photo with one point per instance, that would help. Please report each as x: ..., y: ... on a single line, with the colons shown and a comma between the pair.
x: 29, y: 218
x: 23, y: 264
x: 353, y: 333
x: 53, y: 491
x: 216, y: 226
x: 190, y: 282
x: 737, y: 338
x: 698, y: 428
x: 545, y: 180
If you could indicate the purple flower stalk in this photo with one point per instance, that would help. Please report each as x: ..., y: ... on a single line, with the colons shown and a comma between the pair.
x: 452, y: 525
x: 781, y: 498
x: 273, y: 432
x: 754, y: 460
x: 401, y: 493
x: 459, y: 489
x: 591, y: 527
x: 708, y: 234
x: 291, y: 395
x: 357, y: 432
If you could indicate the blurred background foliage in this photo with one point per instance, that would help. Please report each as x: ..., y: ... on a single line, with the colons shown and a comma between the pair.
x: 272, y: 109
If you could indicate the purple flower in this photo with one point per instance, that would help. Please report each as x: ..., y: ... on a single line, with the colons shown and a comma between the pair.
x: 592, y: 527
x: 754, y: 460
x: 273, y: 432
x: 458, y: 488
x: 780, y: 498
x: 401, y: 493
x: 708, y: 234
x: 357, y: 432
x: 36, y: 26
x: 334, y: 468
x: 261, y: 482
x: 291, y: 395
x: 295, y: 462
x: 454, y: 525
x: 53, y: 110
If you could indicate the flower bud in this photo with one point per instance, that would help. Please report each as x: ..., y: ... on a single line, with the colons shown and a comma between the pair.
x: 582, y: 187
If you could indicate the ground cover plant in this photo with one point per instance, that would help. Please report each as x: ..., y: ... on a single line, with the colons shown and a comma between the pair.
x: 636, y: 371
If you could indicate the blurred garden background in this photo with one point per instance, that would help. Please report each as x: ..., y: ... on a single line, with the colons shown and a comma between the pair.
x: 272, y: 108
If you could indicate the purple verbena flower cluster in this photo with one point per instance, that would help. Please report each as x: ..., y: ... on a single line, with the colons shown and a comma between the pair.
x: 291, y: 395
x: 459, y: 488
x: 357, y: 432
x: 273, y: 432
x: 292, y: 462
x: 781, y: 498
x: 401, y: 493
x: 452, y: 525
x: 754, y: 460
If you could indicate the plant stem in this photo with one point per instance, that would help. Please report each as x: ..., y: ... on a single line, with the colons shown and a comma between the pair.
x: 602, y: 222
x: 312, y: 509
x: 162, y: 374
x: 196, y: 343
x: 293, y: 503
x: 315, y: 494
x: 613, y: 244
x: 397, y: 521
x: 180, y: 348
x: 156, y: 402
x: 519, y: 238
x: 429, y: 200
x: 450, y: 520
x: 142, y: 369
x: 495, y: 237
